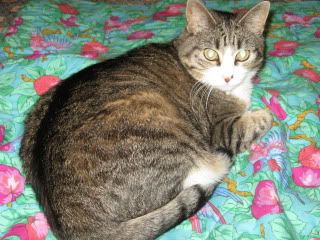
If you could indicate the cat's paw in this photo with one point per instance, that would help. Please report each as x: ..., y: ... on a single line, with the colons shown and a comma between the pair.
x: 264, y: 120
x: 253, y: 126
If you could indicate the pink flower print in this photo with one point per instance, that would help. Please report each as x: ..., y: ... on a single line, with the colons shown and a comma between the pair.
x: 291, y: 19
x: 18, y: 21
x: 310, y: 157
x: 170, y: 11
x: 2, y: 133
x: 35, y: 229
x: 258, y: 151
x: 13, y: 28
x: 141, y: 35
x: 309, y: 74
x: 281, y: 52
x: 318, y: 103
x: 256, y: 80
x: 93, y: 49
x: 275, y: 106
x: 266, y: 200
x: 274, y: 92
x: 11, y: 184
x: 70, y: 21
x: 284, y: 48
x: 114, y: 22
x: 68, y: 9
x: 317, y: 33
x: 306, y: 177
x: 36, y: 54
x: 37, y: 42
x: 257, y: 166
x: 44, y: 83
x: 273, y: 165
x: 195, y: 223
x: 285, y: 44
x: 4, y: 146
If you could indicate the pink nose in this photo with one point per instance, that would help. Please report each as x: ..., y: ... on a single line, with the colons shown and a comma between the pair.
x: 228, y: 79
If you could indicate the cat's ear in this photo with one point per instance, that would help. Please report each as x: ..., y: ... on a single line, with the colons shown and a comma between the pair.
x: 255, y: 19
x: 198, y: 17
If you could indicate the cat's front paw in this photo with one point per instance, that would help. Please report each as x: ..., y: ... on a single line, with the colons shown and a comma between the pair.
x: 253, y: 126
x: 263, y: 120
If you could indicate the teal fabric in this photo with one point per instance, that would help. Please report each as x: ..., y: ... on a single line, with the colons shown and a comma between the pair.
x: 271, y: 192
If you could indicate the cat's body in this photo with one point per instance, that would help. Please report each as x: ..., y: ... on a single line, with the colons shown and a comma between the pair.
x: 128, y: 148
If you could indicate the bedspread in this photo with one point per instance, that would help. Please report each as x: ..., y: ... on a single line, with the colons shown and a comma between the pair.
x: 271, y: 192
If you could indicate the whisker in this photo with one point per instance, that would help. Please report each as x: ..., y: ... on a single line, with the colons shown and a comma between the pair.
x: 208, y: 97
x: 193, y: 93
x: 206, y: 89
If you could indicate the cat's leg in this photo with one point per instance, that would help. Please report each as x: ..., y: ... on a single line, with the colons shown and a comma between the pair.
x: 250, y: 128
x: 236, y: 134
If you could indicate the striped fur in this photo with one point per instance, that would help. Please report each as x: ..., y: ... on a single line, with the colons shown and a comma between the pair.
x: 128, y: 148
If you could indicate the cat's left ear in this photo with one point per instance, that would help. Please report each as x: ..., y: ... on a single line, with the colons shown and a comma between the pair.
x: 255, y: 19
x: 198, y: 17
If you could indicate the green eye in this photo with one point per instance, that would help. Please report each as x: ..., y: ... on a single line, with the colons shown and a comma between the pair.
x: 242, y: 55
x: 211, y: 54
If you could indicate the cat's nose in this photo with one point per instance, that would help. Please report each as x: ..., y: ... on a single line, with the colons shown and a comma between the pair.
x: 228, y: 78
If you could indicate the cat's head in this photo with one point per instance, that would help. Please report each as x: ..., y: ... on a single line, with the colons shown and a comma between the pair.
x: 222, y: 50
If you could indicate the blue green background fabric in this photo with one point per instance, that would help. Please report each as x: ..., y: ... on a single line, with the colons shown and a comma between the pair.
x: 271, y: 192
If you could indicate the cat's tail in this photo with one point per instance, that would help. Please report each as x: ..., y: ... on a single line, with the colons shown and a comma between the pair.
x: 159, y: 221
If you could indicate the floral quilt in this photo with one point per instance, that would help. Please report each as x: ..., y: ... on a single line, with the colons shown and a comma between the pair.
x: 272, y: 191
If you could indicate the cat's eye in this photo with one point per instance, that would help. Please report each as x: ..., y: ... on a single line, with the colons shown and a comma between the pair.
x: 242, y: 55
x: 211, y: 54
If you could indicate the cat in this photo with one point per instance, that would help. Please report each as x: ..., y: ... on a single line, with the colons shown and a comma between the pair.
x: 128, y: 148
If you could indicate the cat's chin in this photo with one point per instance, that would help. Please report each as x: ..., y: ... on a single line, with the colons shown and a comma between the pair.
x: 241, y: 90
x: 223, y: 87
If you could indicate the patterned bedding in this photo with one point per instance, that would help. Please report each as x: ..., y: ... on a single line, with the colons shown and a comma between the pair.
x: 272, y: 191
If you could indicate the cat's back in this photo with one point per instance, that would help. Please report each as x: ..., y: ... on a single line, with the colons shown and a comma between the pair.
x: 140, y: 86
x: 149, y: 72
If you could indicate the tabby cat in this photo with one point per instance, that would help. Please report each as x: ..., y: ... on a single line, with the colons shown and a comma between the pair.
x: 128, y: 148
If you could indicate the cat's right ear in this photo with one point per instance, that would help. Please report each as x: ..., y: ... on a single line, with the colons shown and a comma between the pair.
x: 198, y: 17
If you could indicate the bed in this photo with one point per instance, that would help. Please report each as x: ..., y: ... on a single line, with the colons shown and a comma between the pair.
x: 271, y: 192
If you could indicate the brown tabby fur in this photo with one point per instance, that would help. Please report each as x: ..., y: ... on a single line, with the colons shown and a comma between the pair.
x: 108, y: 150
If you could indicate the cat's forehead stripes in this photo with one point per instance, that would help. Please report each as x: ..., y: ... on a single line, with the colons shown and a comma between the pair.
x: 227, y: 35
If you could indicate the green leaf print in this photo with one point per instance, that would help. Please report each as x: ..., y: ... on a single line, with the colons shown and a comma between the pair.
x: 315, y: 233
x: 295, y: 221
x: 6, y: 79
x: 25, y: 89
x: 248, y: 236
x: 6, y: 90
x: 222, y: 232
x: 4, y: 158
x: 56, y: 67
x: 309, y: 127
x: 5, y: 106
x: 25, y: 103
x: 28, y: 196
x: 316, y: 211
x: 281, y: 230
x: 35, y: 72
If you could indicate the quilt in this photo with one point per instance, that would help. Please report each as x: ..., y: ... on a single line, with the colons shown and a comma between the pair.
x: 271, y: 192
